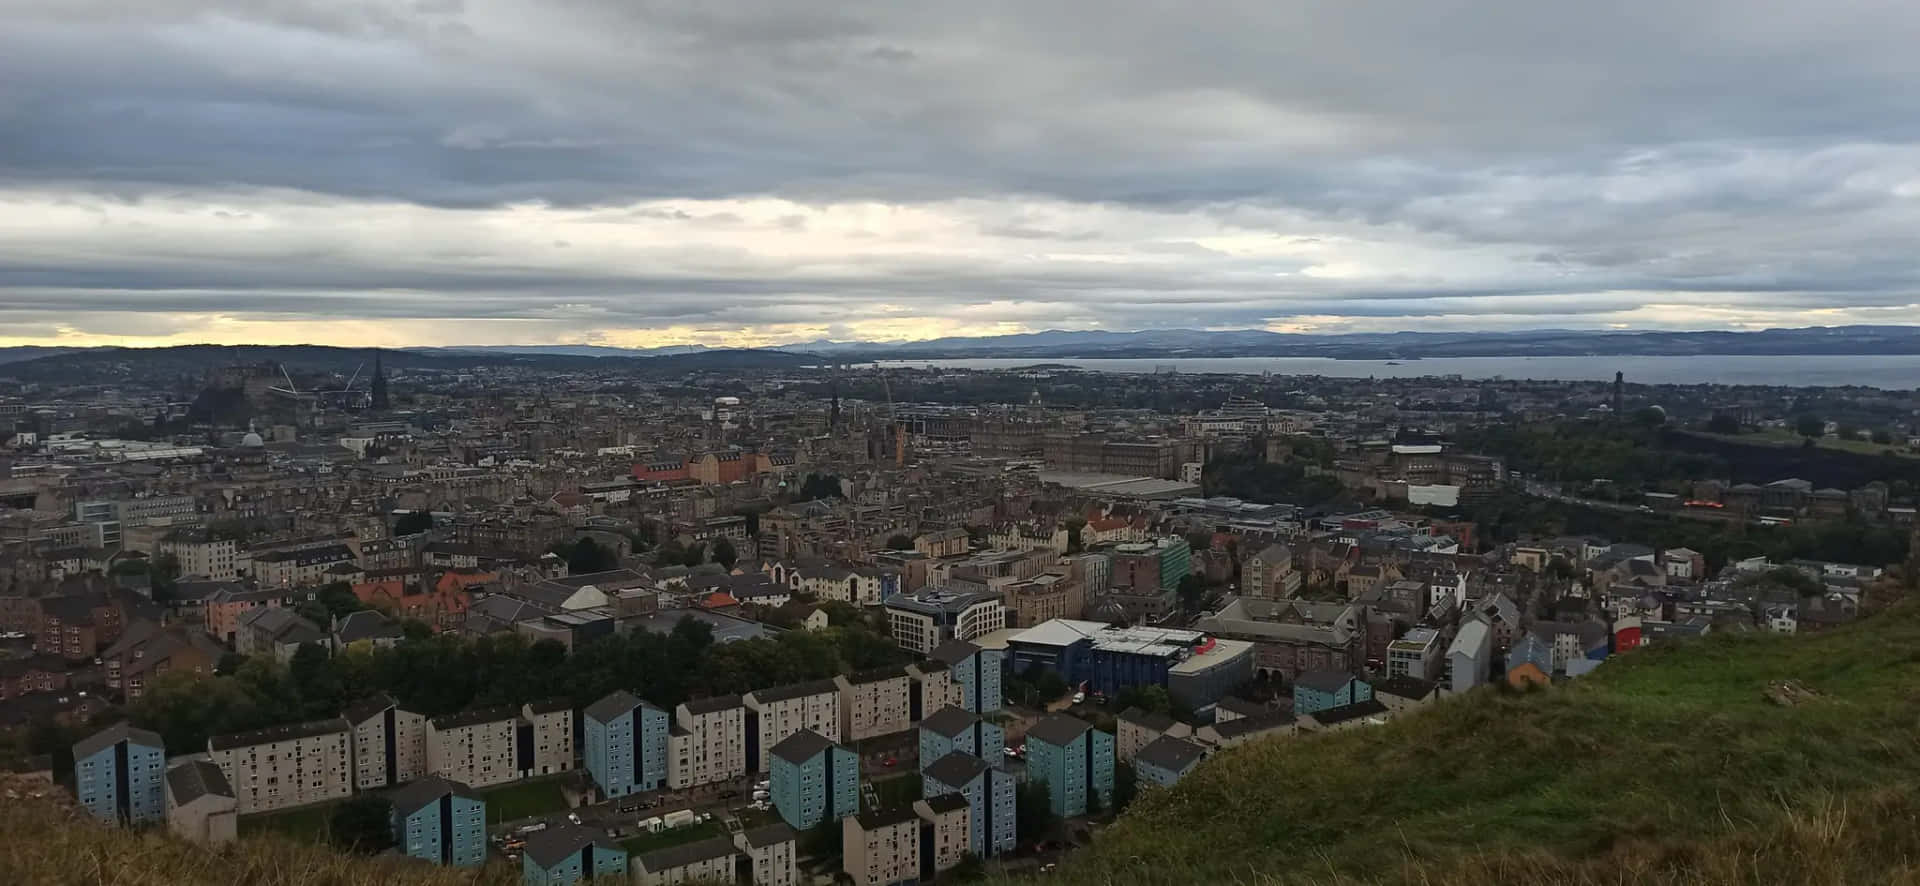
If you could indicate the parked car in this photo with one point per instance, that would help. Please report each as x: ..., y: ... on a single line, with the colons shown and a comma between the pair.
x: 729, y: 794
x: 762, y: 795
x: 889, y: 761
x: 573, y: 817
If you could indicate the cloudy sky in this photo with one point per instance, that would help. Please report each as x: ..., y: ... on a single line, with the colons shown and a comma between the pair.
x: 651, y: 172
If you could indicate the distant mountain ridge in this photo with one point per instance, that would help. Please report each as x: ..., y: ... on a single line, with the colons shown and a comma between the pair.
x: 49, y: 362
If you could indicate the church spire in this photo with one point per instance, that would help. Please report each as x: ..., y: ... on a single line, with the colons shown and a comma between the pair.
x: 379, y: 385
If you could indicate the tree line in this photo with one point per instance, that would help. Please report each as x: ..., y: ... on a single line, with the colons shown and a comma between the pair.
x: 444, y: 674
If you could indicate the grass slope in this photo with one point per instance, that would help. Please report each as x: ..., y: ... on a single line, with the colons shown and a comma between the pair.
x: 1667, y: 765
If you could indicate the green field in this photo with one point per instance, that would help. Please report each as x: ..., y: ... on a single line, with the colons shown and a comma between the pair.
x: 1787, y: 439
x: 644, y: 843
x: 514, y: 801
x: 1667, y: 765
x: 308, y: 824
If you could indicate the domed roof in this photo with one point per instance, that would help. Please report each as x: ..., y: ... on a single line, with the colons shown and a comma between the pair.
x: 1108, y: 610
x: 252, y: 441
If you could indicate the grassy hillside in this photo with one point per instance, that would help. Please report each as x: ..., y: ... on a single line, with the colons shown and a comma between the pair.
x: 1667, y: 766
x: 49, y: 844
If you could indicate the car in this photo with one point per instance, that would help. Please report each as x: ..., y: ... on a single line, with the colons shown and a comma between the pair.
x: 762, y: 785
x: 889, y: 761
x: 729, y: 794
x: 1079, y: 697
x: 761, y: 795
x: 1011, y: 752
x: 573, y: 817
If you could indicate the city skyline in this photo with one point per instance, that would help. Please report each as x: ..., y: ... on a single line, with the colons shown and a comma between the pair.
x: 455, y: 172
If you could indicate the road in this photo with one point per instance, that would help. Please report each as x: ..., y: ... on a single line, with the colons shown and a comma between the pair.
x: 1542, y: 490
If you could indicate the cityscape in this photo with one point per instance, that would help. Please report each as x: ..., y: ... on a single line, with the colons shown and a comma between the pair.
x: 836, y: 443
x: 813, y: 622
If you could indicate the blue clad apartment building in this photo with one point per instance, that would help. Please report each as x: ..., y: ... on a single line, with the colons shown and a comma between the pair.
x: 813, y: 780
x: 1071, y: 758
x: 119, y: 773
x: 989, y: 792
x: 951, y: 730
x: 568, y: 855
x: 976, y: 671
x: 440, y: 821
x: 626, y: 744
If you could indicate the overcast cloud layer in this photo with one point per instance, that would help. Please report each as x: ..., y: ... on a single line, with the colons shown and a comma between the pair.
x: 646, y: 172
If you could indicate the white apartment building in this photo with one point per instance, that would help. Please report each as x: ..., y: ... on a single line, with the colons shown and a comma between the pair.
x: 476, y: 748
x: 552, y: 734
x: 875, y: 702
x: 708, y: 742
x: 772, y: 853
x: 1416, y: 654
x: 882, y: 847
x: 774, y: 714
x: 389, y: 744
x: 286, y: 766
x: 199, y: 554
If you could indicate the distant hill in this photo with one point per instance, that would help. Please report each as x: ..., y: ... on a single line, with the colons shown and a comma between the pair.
x: 1668, y: 765
x: 1393, y: 345
x: 32, y: 352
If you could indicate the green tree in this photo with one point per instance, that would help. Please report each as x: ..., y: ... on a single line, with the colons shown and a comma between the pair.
x: 339, y: 599
x: 413, y: 523
x: 1049, y: 684
x: 587, y: 556
x: 724, y: 554
x: 1033, y: 811
x: 1851, y: 432
x: 1193, y: 593
x: 1126, y: 786
x: 817, y: 486
x: 1882, y: 436
x: 1095, y: 805
x: 1810, y: 425
x: 1723, y: 423
x: 362, y: 825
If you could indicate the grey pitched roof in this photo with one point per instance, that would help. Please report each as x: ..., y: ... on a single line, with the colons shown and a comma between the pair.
x: 615, y: 704
x: 801, y: 746
x: 112, y: 735
x: 1242, y: 706
x: 710, y: 705
x: 956, y: 769
x: 1148, y: 719
x: 796, y: 690
x: 946, y: 802
x: 277, y: 733
x: 193, y: 779
x: 476, y: 716
x: 1343, y: 713
x: 550, y: 846
x: 768, y: 835
x: 1252, y: 725
x: 372, y: 705
x: 953, y: 652
x: 1404, y: 686
x: 875, y: 675
x: 1167, y: 752
x: 549, y: 705
x: 1058, y: 730
x: 429, y: 789
x: 880, y: 818
x: 685, y: 854
x: 1323, y: 681
x: 949, y: 721
x: 366, y: 624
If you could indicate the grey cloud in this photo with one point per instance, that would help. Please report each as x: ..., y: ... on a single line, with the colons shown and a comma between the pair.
x: 1583, y: 158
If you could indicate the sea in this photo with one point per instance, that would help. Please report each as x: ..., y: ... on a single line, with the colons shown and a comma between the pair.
x: 1899, y: 372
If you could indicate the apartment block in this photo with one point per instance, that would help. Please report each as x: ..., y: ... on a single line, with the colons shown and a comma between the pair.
x: 568, y: 855
x: 814, y: 780
x: 774, y: 714
x: 546, y: 737
x: 389, y: 744
x: 708, y: 742
x: 117, y: 775
x: 881, y: 848
x: 200, y: 804
x: 932, y: 689
x: 1073, y: 760
x: 478, y: 748
x: 989, y: 792
x: 440, y: 821
x: 286, y: 766
x: 976, y: 672
x: 952, y: 729
x: 704, y: 861
x: 772, y: 855
x: 875, y: 702
x: 626, y: 744
x: 945, y: 833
